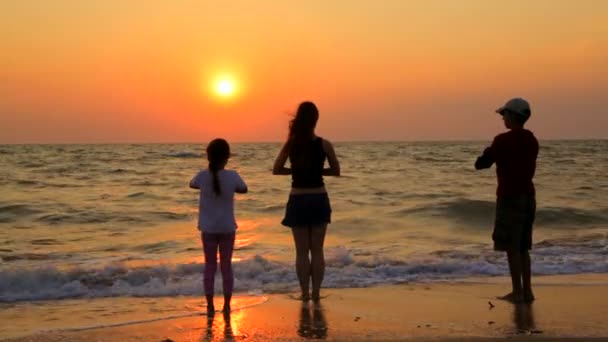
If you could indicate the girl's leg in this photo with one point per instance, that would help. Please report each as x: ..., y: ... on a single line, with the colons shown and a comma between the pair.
x: 317, y: 239
x: 301, y: 236
x: 210, y: 244
x: 226, y: 244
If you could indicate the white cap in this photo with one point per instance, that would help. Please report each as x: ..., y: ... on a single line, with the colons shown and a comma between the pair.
x: 517, y: 106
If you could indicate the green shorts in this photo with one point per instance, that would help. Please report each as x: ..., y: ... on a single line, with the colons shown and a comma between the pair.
x: 513, y: 223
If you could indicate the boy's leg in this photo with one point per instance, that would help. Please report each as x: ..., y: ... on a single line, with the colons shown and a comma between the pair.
x: 515, y: 269
x: 301, y: 236
x: 509, y: 236
x: 526, y: 246
x: 226, y: 245
x: 526, y: 273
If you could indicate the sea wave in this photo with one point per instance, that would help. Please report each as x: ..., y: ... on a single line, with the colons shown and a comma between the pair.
x: 39, y: 184
x: 183, y: 154
x: 461, y: 210
x: 11, y: 257
x: 473, y: 213
x: 12, y: 212
x: 80, y: 217
x: 146, y: 196
x: 571, y: 217
x: 344, y: 270
x: 59, y: 213
x: 437, y: 159
x: 97, y: 217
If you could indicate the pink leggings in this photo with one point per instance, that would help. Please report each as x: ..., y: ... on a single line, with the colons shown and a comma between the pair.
x: 211, y: 242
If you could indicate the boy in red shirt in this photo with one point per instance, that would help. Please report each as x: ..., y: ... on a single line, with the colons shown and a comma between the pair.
x: 514, y: 153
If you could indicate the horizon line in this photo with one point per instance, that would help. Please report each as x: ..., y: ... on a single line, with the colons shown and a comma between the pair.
x: 280, y: 141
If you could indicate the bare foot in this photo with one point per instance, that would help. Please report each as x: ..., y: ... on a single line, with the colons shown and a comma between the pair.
x: 512, y: 297
x: 226, y: 309
x: 305, y: 297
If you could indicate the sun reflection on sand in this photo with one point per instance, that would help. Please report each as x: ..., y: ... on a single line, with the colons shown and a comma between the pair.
x: 224, y: 326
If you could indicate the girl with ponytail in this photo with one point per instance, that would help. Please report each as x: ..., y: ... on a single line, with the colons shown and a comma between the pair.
x: 308, y: 209
x: 216, y: 218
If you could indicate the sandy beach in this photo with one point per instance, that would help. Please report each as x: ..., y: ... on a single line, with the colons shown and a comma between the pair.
x: 446, y: 311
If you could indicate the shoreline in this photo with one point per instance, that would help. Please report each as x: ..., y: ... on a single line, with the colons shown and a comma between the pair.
x: 567, y: 308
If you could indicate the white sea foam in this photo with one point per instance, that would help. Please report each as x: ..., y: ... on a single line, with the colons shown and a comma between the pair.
x: 261, y: 275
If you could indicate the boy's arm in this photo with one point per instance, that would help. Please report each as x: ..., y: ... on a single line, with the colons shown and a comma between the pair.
x: 483, y: 162
x: 279, y: 164
x: 487, y: 158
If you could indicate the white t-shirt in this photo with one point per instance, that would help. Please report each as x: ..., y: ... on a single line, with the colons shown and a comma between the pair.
x: 216, y: 213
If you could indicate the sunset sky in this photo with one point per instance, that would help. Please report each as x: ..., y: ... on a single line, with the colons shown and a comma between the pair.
x: 150, y: 71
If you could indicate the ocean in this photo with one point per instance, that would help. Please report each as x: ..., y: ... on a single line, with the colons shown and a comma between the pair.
x: 109, y: 223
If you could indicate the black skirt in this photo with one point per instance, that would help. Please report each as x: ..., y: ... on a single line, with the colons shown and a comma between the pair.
x: 305, y: 210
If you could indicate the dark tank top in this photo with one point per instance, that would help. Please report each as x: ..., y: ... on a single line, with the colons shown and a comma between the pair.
x: 307, y: 161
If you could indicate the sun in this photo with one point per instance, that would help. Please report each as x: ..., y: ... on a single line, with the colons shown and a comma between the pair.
x: 225, y: 87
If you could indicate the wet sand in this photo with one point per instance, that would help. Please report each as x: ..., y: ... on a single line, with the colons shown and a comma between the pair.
x: 569, y: 308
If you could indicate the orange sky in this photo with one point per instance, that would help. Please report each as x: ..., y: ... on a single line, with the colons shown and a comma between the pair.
x: 140, y: 70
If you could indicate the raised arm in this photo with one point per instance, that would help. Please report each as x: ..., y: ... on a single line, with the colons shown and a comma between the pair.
x: 334, y: 165
x: 279, y: 163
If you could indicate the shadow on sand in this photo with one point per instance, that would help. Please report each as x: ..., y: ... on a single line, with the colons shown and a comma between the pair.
x: 312, y: 321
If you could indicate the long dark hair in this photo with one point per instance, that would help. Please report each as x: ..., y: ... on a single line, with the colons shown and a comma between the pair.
x: 218, y: 152
x: 302, y: 127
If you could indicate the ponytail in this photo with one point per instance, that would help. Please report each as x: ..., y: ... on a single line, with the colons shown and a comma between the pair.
x: 216, y: 181
x: 218, y: 152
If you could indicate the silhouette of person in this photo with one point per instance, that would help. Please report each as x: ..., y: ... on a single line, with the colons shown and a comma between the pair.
x: 514, y: 153
x: 308, y: 211
x: 217, y: 186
